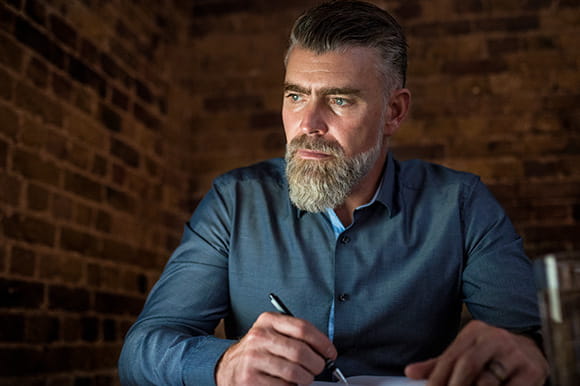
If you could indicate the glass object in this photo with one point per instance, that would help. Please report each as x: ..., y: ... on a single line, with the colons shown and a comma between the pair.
x: 558, y: 282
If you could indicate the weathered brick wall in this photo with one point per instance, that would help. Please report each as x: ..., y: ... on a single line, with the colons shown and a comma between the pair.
x: 115, y: 115
x: 94, y: 176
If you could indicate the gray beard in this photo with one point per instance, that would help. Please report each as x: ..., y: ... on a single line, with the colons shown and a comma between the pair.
x: 317, y: 185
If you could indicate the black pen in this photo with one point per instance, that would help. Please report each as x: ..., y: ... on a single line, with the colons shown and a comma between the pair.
x: 330, y: 365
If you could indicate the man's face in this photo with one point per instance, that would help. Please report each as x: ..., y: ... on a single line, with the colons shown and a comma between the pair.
x: 336, y: 96
x: 334, y: 118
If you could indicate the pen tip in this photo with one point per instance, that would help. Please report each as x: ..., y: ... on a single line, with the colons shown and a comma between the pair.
x: 341, y: 378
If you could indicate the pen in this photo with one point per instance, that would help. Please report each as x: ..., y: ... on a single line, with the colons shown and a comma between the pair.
x: 330, y: 365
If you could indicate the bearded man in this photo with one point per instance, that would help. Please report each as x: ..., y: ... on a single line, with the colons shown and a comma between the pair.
x: 374, y: 256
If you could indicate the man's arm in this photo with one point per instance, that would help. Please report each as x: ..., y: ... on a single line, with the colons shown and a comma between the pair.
x: 499, y: 291
x: 172, y: 341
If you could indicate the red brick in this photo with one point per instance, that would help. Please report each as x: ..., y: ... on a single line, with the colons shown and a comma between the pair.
x: 6, y: 85
x: 120, y: 99
x: 16, y: 294
x: 99, y: 166
x: 119, y: 252
x: 79, y: 156
x: 109, y: 328
x: 31, y: 166
x: 42, y: 329
x: 28, y: 229
x: 89, y: 52
x: 83, y: 186
x: 36, y: 10
x: 125, y: 152
x: 39, y: 104
x: 551, y: 233
x: 9, y: 124
x: 63, y: 31
x: 10, y: 53
x: 104, y: 277
x: 482, y: 66
x: 37, y: 197
x: 37, y: 40
x: 110, y: 118
x: 467, y: 6
x: 550, y: 189
x: 71, y: 329
x: 10, y: 188
x: 61, y: 268
x: 114, y: 304
x: 84, y: 99
x: 146, y: 117
x: 3, y: 256
x: 22, y: 262
x: 11, y: 328
x: 266, y: 120
x: 103, y: 221
x: 20, y: 361
x: 84, y: 214
x: 120, y: 200
x: 516, y: 23
x: 61, y: 86
x: 3, y: 154
x: 62, y: 207
x: 84, y: 243
x: 428, y: 152
x: 68, y: 298
x: 37, y: 72
x: 143, y: 92
x: 90, y: 328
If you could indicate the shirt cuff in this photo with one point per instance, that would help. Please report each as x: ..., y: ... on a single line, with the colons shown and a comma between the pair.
x: 200, y: 370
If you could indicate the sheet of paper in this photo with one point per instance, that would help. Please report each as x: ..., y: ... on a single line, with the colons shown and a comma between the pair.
x: 367, y: 380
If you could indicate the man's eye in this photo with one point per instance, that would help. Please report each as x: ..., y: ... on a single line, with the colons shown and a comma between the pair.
x: 293, y: 97
x: 340, y: 101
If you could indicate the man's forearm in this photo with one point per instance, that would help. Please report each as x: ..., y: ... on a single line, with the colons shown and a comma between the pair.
x: 162, y: 355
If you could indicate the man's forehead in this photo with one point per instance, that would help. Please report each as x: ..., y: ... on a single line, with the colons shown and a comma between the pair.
x: 340, y: 72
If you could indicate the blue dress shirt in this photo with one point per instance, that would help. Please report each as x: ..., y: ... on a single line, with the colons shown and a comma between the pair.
x: 395, y: 279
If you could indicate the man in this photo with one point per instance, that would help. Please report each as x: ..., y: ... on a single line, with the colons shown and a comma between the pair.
x: 374, y: 256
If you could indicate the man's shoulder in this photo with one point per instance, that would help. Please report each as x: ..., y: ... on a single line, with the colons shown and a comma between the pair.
x: 419, y: 174
x: 265, y: 172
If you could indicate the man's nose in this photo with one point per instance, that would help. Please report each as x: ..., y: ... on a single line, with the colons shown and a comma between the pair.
x: 313, y: 119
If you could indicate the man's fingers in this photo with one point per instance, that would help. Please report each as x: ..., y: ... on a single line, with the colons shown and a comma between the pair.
x: 289, y: 371
x: 420, y: 370
x: 300, y: 329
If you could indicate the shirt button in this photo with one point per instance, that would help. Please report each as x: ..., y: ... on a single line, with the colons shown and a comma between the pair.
x: 345, y: 239
x: 343, y: 298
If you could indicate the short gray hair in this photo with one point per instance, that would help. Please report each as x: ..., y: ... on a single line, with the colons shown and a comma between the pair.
x: 340, y: 24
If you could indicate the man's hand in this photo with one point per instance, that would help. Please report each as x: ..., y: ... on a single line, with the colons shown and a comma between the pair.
x: 484, y: 355
x: 277, y: 350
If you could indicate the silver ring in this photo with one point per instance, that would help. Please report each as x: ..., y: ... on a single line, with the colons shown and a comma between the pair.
x: 497, y: 369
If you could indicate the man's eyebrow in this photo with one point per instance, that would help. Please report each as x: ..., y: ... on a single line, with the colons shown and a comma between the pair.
x: 340, y: 91
x: 323, y: 91
x: 295, y: 88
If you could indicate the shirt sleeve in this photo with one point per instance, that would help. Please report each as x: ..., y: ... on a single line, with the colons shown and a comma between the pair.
x: 498, y: 281
x: 172, y: 343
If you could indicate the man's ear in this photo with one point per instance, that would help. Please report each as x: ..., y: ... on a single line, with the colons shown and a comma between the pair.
x: 397, y: 109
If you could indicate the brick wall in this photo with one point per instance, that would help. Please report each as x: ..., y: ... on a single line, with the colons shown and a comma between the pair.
x: 115, y: 115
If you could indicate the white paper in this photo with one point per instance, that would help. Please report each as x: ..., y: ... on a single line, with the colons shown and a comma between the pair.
x: 367, y: 380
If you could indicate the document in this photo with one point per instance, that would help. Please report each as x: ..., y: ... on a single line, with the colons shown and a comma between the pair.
x: 368, y: 380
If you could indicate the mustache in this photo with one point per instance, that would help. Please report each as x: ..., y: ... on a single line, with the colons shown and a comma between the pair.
x: 315, y: 144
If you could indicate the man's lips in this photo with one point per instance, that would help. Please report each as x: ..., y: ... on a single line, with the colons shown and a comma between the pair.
x: 312, y: 154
